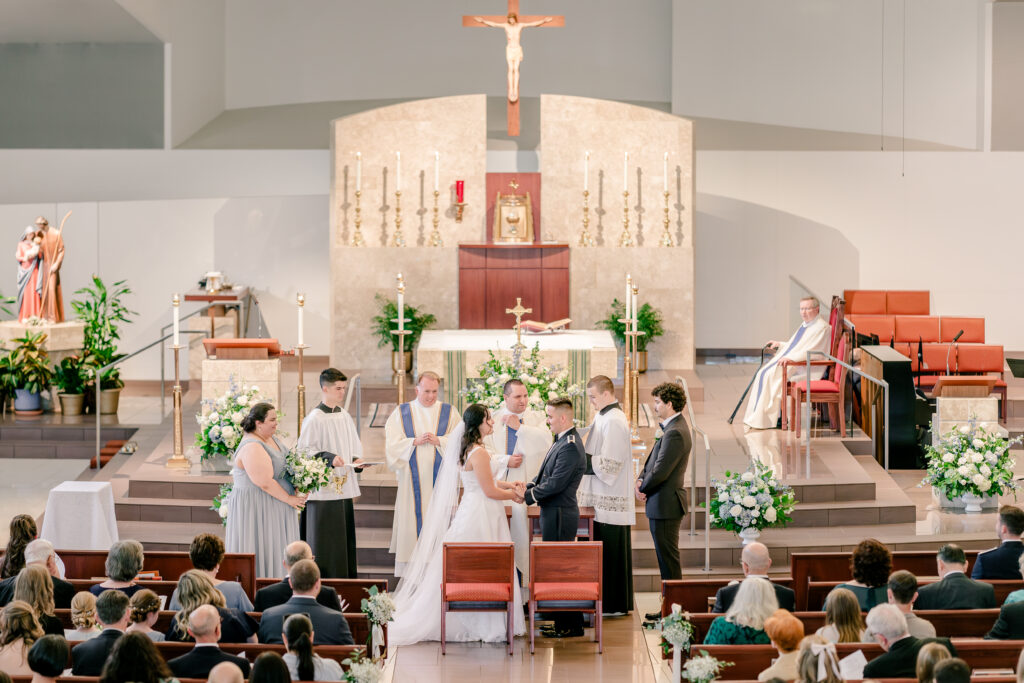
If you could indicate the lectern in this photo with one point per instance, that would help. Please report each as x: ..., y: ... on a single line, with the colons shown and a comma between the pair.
x: 893, y: 367
x: 964, y: 386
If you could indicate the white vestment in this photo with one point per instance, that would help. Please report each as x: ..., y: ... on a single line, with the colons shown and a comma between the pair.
x: 334, y: 433
x: 532, y: 440
x: 609, y: 490
x: 765, y: 403
x: 415, y: 484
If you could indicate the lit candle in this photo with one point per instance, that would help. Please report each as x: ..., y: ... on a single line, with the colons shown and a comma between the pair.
x: 629, y: 295
x: 586, y: 171
x: 300, y: 299
x: 437, y: 170
x: 398, y: 171
x: 359, y: 171
x: 401, y: 303
x: 625, y: 172
x: 665, y: 171
x: 635, y: 290
x: 177, y: 321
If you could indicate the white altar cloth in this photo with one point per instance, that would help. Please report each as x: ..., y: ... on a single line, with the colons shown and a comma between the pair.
x: 80, y: 516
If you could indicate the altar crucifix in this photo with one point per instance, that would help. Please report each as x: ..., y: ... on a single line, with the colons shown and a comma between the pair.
x: 519, y: 312
x: 513, y: 24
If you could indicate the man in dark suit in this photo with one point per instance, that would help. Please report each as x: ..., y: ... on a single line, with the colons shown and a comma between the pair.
x: 755, y: 561
x: 204, y: 627
x: 956, y: 590
x: 889, y: 627
x: 88, y: 658
x: 1003, y: 562
x: 329, y: 626
x: 1010, y: 624
x: 660, y: 485
x: 279, y: 593
x: 554, y: 489
x: 41, y: 552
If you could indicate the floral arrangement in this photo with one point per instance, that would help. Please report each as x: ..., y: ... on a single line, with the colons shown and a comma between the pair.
x: 362, y: 670
x: 542, y: 383
x: 704, y: 668
x: 307, y: 472
x: 220, y: 503
x: 676, y: 630
x: 379, y: 609
x: 970, y: 459
x: 753, y: 499
x: 220, y: 420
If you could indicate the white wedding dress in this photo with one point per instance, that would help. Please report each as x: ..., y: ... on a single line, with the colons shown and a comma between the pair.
x: 478, y: 519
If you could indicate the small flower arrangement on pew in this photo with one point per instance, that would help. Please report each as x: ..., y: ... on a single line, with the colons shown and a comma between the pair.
x: 360, y: 669
x: 379, y: 609
x: 221, y: 419
x: 971, y: 460
x: 220, y: 503
x: 677, y: 634
x: 704, y: 668
x: 749, y: 501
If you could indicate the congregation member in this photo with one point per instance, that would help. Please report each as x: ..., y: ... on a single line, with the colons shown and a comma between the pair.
x: 902, y: 592
x: 124, y: 562
x: 226, y: 672
x: 955, y: 590
x: 1003, y: 561
x: 269, y: 667
x: 415, y: 437
x: 899, y: 659
x: 764, y: 407
x: 953, y: 670
x: 870, y: 565
x: 197, y: 590
x: 113, y: 612
x: 47, y: 658
x: 19, y: 629
x: 303, y: 663
x: 929, y: 656
x: 280, y: 592
x: 40, y: 552
x: 660, y: 485
x: 755, y: 560
x: 206, y: 552
x: 329, y: 625
x: 843, y: 622
x: 264, y: 507
x: 328, y: 520
x: 204, y: 627
x: 785, y: 632
x: 518, y: 444
x: 1010, y: 624
x: 607, y: 487
x: 818, y: 661
x: 1017, y: 595
x: 743, y: 623
x: 34, y: 587
x: 145, y: 607
x: 23, y: 531
x: 135, y: 659
x: 83, y: 617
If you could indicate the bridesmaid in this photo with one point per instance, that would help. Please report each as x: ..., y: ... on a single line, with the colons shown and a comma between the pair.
x: 263, y: 508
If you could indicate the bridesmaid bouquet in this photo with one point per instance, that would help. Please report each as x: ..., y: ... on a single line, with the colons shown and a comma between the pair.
x: 306, y: 472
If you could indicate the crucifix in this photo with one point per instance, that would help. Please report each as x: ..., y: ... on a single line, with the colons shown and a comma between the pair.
x: 513, y: 24
x: 518, y: 312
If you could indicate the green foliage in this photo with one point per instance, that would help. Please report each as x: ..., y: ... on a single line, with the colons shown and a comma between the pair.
x: 72, y: 374
x: 752, y: 499
x: 383, y: 323
x: 27, y: 366
x: 6, y: 301
x: 648, y: 320
x: 102, y: 310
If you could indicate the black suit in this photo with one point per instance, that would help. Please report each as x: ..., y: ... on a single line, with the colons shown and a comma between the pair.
x: 279, y: 593
x: 329, y: 626
x: 662, y: 483
x: 999, y: 563
x: 89, y: 657
x: 198, y: 662
x: 726, y: 594
x: 1010, y: 624
x: 901, y: 659
x: 955, y: 591
x: 62, y: 592
x: 554, y: 487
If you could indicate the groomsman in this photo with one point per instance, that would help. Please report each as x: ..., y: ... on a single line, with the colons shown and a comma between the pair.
x: 660, y: 485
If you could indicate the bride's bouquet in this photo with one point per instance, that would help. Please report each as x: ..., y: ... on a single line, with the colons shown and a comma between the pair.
x: 307, y: 472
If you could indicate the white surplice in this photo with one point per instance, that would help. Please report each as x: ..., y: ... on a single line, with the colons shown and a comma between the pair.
x: 609, y: 490
x: 334, y: 433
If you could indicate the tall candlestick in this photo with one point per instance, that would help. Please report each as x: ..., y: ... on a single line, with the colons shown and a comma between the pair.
x: 586, y: 171
x: 300, y: 299
x: 176, y: 301
x: 398, y: 171
x: 437, y: 170
x: 625, y: 172
x: 629, y: 296
x: 359, y: 171
x: 401, y: 303
x: 665, y: 173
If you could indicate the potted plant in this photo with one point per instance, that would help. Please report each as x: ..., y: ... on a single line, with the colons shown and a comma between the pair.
x: 70, y: 376
x: 102, y: 309
x: 648, y: 321
x: 383, y: 324
x: 26, y: 373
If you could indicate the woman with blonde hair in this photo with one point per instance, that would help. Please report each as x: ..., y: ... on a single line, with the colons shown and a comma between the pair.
x: 818, y: 661
x: 196, y: 589
x: 785, y: 632
x: 927, y: 657
x: 19, y: 628
x: 843, y: 620
x: 743, y: 623
x: 34, y: 586
x: 83, y: 617
x: 145, y: 607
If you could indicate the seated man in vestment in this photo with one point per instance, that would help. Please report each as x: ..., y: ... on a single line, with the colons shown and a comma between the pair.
x: 764, y: 407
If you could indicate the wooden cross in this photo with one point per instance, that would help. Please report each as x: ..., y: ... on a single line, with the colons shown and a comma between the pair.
x: 513, y: 25
x: 518, y: 312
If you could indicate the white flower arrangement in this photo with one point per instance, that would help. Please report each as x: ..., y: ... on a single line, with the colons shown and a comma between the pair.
x: 754, y: 499
x: 542, y: 382
x: 221, y: 503
x: 703, y: 668
x: 379, y: 609
x: 220, y: 420
x: 362, y: 670
x: 971, y: 459
x: 676, y: 629
x: 307, y: 472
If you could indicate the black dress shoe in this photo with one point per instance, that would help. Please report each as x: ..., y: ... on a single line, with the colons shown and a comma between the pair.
x: 652, y: 616
x: 559, y: 633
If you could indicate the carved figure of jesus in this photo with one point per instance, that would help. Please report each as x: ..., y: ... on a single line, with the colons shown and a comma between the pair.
x: 513, y: 49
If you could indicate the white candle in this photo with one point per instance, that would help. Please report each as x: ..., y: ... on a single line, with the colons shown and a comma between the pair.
x: 625, y: 172
x: 401, y: 303
x: 177, y: 320
x: 586, y: 171
x: 300, y: 300
x: 629, y: 295
x: 665, y: 170
x: 437, y: 170
x: 635, y: 290
x: 398, y: 171
x: 359, y: 171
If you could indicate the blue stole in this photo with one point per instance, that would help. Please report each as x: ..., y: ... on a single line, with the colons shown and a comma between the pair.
x: 774, y: 361
x: 410, y: 432
x: 511, y: 435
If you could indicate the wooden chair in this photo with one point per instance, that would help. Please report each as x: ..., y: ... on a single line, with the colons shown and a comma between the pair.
x: 566, y: 577
x: 477, y: 577
x: 836, y: 317
x: 828, y: 391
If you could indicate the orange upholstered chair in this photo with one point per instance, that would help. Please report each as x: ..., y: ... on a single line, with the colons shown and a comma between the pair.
x: 882, y: 325
x: 829, y: 391
x: 865, y: 301
x: 984, y: 359
x: 907, y: 302
x: 477, y: 577
x: 566, y: 577
x: 914, y: 328
x: 974, y: 329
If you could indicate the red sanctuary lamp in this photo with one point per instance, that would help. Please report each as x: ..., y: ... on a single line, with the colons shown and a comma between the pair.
x: 460, y: 203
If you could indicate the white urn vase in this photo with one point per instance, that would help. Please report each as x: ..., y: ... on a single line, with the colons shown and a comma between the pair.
x: 749, y: 535
x: 972, y: 503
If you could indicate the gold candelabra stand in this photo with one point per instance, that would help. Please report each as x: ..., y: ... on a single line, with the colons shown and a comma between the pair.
x: 398, y: 239
x: 435, y: 234
x: 177, y: 459
x: 301, y: 390
x: 666, y: 236
x: 626, y: 240
x: 357, y: 234
x: 586, y: 239
x: 401, y: 360
x: 627, y: 374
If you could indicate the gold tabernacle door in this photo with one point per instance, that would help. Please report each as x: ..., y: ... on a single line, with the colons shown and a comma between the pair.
x: 513, y: 218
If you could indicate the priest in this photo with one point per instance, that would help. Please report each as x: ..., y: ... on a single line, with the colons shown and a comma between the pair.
x: 414, y: 443
x: 607, y: 487
x: 764, y: 406
x: 328, y: 521
x: 518, y: 443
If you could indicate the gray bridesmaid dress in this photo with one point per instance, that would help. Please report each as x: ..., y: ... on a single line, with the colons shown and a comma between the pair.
x: 257, y: 522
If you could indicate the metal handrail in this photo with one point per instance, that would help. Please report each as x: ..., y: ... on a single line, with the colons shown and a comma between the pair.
x: 693, y: 479
x: 355, y: 384
x: 880, y: 382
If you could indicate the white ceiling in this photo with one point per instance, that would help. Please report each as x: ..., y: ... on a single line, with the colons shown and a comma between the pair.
x: 69, y: 21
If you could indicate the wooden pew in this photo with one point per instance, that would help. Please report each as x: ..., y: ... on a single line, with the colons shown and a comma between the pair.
x: 158, y: 587
x: 351, y: 591
x: 88, y: 564
x: 252, y: 650
x: 693, y: 594
x: 817, y: 591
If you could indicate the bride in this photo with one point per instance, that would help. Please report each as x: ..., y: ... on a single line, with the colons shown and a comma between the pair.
x: 479, y: 518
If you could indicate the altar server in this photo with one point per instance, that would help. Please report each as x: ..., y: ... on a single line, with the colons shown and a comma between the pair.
x: 607, y: 487
x: 415, y: 438
x: 518, y: 443
x: 765, y: 404
x: 328, y: 522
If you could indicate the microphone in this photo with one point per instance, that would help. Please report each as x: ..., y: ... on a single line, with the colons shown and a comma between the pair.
x: 958, y: 335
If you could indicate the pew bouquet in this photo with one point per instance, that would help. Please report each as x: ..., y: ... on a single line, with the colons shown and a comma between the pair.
x: 751, y: 500
x: 379, y: 609
x: 360, y: 669
x: 677, y: 634
x: 970, y: 460
x: 703, y: 668
x: 221, y: 419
